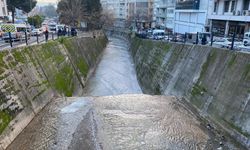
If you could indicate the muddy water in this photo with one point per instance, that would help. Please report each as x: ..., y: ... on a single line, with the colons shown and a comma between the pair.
x: 115, y: 74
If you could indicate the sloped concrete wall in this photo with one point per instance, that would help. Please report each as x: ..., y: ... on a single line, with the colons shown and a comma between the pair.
x: 31, y: 77
x: 215, y: 81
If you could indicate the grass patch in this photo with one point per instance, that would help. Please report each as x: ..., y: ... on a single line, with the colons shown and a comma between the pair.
x: 83, y: 67
x: 49, y: 49
x: 28, y: 52
x: 18, y: 56
x: 63, y: 81
x: 164, y: 48
x: 5, y: 119
x: 246, y: 73
x: 198, y: 90
x: 59, y: 58
x: 232, y: 60
x: 210, y: 59
x: 62, y: 39
x: 2, y: 63
x: 135, y: 42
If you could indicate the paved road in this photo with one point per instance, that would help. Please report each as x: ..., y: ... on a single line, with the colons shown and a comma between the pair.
x: 31, y: 41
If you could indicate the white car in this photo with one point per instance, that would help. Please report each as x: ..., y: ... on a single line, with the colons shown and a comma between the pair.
x: 226, y: 42
x: 244, y: 48
x: 38, y: 32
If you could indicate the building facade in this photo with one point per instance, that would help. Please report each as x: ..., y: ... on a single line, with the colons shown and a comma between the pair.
x: 165, y: 14
x: 229, y: 17
x: 140, y: 11
x: 118, y: 7
x: 3, y: 9
x: 191, y: 16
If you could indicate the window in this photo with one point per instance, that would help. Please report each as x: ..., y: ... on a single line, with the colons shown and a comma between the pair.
x: 4, y: 12
x: 246, y: 4
x: 226, y: 6
x: 170, y: 11
x: 233, y: 4
x: 215, y: 6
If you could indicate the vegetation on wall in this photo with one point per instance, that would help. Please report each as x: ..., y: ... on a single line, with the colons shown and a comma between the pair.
x: 33, y: 72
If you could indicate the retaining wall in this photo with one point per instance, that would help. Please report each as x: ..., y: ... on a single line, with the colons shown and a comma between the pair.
x: 215, y: 81
x: 30, y: 77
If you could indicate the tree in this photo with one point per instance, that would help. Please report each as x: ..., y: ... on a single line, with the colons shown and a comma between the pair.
x: 93, y: 13
x: 36, y: 21
x: 49, y: 11
x: 107, y: 18
x: 72, y: 12
x: 25, y: 5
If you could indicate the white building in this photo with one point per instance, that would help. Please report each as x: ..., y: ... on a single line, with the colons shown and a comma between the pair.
x: 191, y: 16
x: 228, y: 15
x: 3, y: 8
x: 124, y: 10
x: 118, y: 7
x: 165, y: 13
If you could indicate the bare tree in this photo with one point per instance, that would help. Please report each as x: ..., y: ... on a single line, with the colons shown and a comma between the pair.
x: 107, y: 18
x: 70, y: 11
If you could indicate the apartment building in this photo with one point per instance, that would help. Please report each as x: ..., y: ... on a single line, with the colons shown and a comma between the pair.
x: 140, y: 11
x: 191, y: 16
x: 118, y: 7
x: 3, y: 8
x: 229, y: 16
x: 165, y: 13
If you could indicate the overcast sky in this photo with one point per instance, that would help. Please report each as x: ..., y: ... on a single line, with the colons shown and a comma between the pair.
x: 41, y: 2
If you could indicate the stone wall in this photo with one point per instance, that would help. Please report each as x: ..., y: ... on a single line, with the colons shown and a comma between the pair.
x: 30, y: 77
x: 215, y: 81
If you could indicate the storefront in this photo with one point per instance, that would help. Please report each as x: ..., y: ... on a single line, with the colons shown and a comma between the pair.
x: 228, y: 28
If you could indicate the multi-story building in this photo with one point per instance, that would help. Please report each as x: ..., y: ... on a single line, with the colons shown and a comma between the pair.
x: 118, y: 7
x: 229, y: 16
x: 165, y: 13
x: 3, y: 9
x: 191, y: 16
x: 132, y: 10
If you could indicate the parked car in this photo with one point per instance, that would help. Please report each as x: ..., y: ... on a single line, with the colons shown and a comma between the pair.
x: 178, y: 38
x: 37, y: 31
x: 246, y: 40
x: 142, y: 35
x: 158, y: 34
x: 244, y: 48
x: 226, y: 42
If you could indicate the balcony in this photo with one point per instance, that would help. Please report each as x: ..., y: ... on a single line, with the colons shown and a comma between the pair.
x: 232, y: 16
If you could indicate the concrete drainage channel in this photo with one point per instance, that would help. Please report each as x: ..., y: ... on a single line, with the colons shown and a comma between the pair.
x: 114, y: 114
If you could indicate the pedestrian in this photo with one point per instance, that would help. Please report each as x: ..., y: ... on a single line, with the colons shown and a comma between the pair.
x: 64, y: 30
x: 46, y: 33
x: 59, y: 32
x: 204, y: 40
x: 73, y: 32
